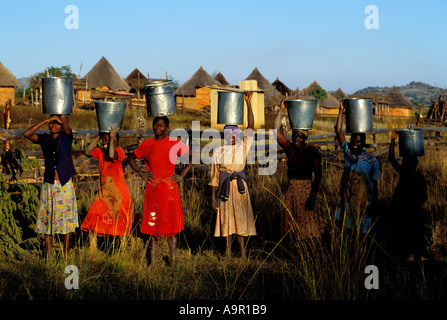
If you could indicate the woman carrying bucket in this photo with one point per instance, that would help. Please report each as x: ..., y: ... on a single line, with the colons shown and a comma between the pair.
x: 409, y: 197
x: 162, y: 211
x: 301, y: 217
x: 111, y: 213
x: 58, y: 211
x: 358, y: 197
x: 230, y: 195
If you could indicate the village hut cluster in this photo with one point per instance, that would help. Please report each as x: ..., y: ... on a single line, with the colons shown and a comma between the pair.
x: 199, y: 92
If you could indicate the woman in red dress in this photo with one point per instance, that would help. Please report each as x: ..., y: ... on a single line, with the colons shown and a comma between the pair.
x: 162, y: 210
x: 111, y: 213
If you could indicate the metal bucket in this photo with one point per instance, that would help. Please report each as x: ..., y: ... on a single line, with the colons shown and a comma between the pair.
x: 160, y: 100
x: 57, y: 95
x: 411, y: 142
x: 359, y: 115
x: 301, y: 113
x: 109, y: 113
x: 230, y: 108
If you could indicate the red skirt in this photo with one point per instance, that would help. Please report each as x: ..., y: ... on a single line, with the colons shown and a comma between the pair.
x: 162, y: 211
x: 111, y: 213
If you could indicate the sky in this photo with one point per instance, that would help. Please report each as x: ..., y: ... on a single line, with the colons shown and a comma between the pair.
x: 339, y: 43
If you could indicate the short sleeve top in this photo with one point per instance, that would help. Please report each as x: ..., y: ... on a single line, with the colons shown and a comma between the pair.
x: 161, y: 156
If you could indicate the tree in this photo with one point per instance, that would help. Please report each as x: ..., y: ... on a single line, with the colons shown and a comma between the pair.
x: 64, y: 71
x: 319, y: 94
x: 175, y: 83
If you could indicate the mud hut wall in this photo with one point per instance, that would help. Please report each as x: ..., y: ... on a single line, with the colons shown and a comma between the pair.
x: 187, y: 102
x: 203, y: 97
x: 400, y: 112
x: 7, y: 93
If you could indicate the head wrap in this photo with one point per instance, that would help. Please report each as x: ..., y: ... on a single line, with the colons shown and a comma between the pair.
x: 303, y: 131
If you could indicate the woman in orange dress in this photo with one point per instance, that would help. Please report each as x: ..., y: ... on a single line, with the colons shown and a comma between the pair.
x: 162, y: 210
x: 111, y: 213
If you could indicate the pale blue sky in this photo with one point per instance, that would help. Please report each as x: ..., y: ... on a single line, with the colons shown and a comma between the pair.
x: 296, y: 41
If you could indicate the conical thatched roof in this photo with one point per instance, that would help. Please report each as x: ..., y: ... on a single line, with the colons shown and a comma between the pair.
x: 281, y: 87
x: 396, y: 99
x: 271, y: 94
x: 103, y: 74
x: 329, y: 102
x: 314, y: 85
x: 7, y: 79
x: 339, y: 94
x: 136, y: 79
x: 219, y: 77
x: 199, y: 79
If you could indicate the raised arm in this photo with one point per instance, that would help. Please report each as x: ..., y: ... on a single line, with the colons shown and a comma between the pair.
x: 30, y: 133
x: 280, y: 137
x: 250, y: 116
x: 65, y: 119
x: 112, y: 142
x: 92, y: 146
x: 339, y: 125
x: 391, y: 156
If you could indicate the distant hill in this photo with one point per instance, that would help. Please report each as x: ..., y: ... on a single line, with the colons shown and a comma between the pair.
x: 415, y: 92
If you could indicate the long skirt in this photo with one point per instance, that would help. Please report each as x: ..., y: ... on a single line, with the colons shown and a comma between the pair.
x: 295, y: 218
x: 58, y: 211
x: 235, y: 216
x: 111, y: 213
x: 162, y: 209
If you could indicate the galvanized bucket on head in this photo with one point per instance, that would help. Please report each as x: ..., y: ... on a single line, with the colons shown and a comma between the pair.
x: 57, y: 95
x: 359, y: 115
x: 301, y: 113
x: 110, y: 113
x: 411, y: 142
x: 160, y: 100
x: 230, y: 108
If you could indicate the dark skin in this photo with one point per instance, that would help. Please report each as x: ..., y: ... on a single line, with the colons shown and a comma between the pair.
x: 231, y: 139
x: 56, y: 124
x: 356, y: 146
x: 299, y: 141
x: 160, y: 127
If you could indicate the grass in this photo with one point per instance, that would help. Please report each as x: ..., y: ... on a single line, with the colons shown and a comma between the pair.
x: 330, y: 269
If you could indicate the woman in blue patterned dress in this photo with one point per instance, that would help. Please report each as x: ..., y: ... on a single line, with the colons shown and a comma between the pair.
x: 358, y: 197
x: 58, y: 212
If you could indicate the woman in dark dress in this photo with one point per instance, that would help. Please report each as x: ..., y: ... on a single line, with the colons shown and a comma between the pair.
x: 301, y: 215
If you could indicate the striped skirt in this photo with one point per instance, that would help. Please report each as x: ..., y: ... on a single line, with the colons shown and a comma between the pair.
x: 58, y: 211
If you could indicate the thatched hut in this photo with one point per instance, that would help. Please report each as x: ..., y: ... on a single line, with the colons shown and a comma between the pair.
x: 8, y: 83
x: 329, y: 105
x: 102, y: 77
x: 195, y: 92
x: 272, y: 96
x: 136, y: 81
x: 398, y: 103
x: 219, y: 77
x: 282, y: 88
x: 339, y: 94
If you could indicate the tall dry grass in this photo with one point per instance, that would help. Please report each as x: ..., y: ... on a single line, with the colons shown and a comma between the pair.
x: 330, y: 268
